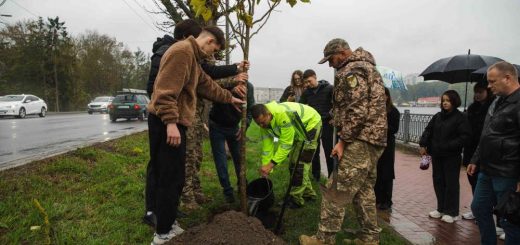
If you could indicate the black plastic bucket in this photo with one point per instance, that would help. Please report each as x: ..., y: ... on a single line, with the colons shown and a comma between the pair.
x: 260, y: 196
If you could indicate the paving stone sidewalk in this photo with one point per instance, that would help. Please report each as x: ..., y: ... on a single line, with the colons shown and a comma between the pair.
x: 414, y: 198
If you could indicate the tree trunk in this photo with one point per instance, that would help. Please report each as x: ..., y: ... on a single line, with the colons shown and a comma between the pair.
x: 243, y: 161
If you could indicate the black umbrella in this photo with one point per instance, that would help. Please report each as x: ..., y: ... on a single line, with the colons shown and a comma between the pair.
x: 457, y: 68
x: 480, y: 74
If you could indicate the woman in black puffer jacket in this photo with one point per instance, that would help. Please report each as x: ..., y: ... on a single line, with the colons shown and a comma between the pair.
x: 443, y: 139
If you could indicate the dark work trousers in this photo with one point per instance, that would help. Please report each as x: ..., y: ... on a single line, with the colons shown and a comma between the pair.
x: 327, y: 132
x: 167, y: 170
x: 383, y: 190
x: 446, y: 171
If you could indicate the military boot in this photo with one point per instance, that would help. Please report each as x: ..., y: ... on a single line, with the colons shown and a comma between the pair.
x: 310, y: 240
x: 202, y: 199
x: 358, y: 241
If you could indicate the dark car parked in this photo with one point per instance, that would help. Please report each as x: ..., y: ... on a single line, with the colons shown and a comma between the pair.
x: 129, y: 103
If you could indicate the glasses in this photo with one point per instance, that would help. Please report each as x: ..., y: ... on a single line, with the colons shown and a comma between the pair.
x: 306, y: 81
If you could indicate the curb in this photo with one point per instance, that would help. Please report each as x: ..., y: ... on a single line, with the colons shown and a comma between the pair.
x: 27, y: 160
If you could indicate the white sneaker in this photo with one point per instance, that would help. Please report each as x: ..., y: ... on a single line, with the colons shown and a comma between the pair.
x: 159, y: 239
x: 450, y: 219
x: 502, y: 237
x: 468, y: 215
x: 435, y: 214
x: 500, y: 231
x: 177, y: 228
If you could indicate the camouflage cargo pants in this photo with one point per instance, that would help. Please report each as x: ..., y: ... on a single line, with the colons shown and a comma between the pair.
x: 192, y: 193
x: 357, y: 171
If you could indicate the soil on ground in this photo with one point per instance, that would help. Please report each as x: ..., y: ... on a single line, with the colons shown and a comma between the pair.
x: 230, y: 228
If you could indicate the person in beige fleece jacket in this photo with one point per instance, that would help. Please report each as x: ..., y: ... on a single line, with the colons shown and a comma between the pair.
x: 171, y: 110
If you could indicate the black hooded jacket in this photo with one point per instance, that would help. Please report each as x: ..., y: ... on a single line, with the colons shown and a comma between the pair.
x: 319, y: 98
x: 159, y: 48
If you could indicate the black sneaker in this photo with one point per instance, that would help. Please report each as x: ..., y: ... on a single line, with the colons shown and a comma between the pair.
x: 149, y: 219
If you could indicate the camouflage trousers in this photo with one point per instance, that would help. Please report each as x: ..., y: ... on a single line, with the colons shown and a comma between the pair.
x: 356, y: 177
x: 192, y: 192
x: 301, y: 181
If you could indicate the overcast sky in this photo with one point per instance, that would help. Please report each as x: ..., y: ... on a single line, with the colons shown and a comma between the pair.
x: 406, y: 35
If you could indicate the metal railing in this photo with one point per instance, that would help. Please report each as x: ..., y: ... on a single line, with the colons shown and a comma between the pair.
x: 411, y: 126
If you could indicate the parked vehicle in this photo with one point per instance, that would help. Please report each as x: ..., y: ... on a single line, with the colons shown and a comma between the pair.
x: 129, y: 103
x: 22, y: 105
x: 99, y: 104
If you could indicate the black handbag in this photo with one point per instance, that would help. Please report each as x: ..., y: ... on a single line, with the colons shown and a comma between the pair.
x: 508, y: 207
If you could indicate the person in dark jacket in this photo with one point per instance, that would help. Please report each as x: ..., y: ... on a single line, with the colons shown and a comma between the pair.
x: 498, y: 154
x: 476, y: 114
x: 293, y: 92
x: 385, y: 166
x: 318, y: 95
x: 443, y: 139
x: 224, y: 128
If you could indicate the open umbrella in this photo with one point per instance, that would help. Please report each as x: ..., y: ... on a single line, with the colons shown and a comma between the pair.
x: 480, y: 74
x: 393, y: 79
x: 457, y: 68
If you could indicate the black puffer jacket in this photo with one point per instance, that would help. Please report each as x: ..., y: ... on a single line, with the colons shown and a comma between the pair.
x: 446, y: 134
x: 498, y: 152
x: 319, y: 98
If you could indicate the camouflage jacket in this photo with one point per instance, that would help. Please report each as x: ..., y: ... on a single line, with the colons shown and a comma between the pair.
x: 359, y: 106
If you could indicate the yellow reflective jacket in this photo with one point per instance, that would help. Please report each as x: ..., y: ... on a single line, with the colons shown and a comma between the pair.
x: 283, y: 127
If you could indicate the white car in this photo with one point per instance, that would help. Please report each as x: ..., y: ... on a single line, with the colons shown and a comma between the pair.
x: 22, y: 105
x: 99, y: 104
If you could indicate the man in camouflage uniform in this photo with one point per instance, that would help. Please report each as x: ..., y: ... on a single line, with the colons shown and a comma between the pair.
x: 192, y: 195
x: 360, y: 117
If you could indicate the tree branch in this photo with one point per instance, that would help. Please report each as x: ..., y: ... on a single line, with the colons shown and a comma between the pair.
x: 172, y: 11
x: 181, y: 4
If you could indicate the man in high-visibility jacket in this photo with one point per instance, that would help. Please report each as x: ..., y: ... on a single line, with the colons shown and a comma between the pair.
x: 297, y: 126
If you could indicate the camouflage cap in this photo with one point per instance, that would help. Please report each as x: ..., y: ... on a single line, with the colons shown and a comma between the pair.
x: 332, y: 47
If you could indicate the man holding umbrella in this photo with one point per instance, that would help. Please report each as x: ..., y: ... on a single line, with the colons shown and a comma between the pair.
x: 359, y: 108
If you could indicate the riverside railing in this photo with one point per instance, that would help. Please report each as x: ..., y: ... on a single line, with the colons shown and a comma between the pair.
x: 411, y: 126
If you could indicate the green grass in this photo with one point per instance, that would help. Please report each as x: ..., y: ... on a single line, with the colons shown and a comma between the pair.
x: 95, y: 195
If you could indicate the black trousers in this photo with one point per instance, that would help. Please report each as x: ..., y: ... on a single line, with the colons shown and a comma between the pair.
x: 165, y: 174
x: 327, y: 132
x: 383, y: 190
x: 446, y: 171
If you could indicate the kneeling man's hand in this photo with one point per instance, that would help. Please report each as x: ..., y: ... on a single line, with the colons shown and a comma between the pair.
x: 266, y: 169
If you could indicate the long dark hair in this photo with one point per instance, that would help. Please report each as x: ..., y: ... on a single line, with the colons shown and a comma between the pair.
x: 389, y: 103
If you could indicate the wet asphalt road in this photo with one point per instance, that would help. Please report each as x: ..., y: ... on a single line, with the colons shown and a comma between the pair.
x: 34, y: 138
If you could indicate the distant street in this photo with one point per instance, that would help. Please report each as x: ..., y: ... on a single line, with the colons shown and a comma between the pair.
x: 33, y: 138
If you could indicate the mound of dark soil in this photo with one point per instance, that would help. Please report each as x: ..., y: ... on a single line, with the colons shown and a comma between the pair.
x: 230, y: 228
